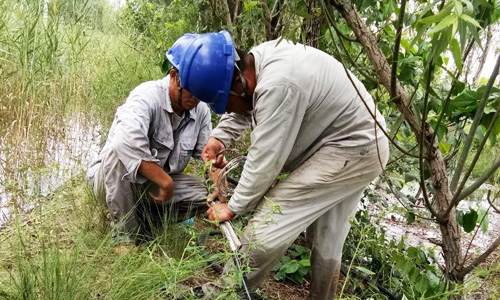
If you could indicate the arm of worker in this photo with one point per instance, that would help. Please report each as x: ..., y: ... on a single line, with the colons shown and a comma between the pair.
x: 279, y: 112
x: 130, y: 140
x: 204, y: 133
x: 231, y: 127
x: 153, y: 172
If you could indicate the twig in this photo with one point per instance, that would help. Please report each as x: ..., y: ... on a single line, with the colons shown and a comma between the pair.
x: 473, y: 128
x: 448, y: 98
x: 422, y: 143
x: 337, y: 30
x: 480, y: 258
x: 475, y: 232
x: 374, y: 118
x: 395, y: 55
x: 401, y: 156
x: 346, y: 52
x: 469, y: 190
x: 491, y: 202
x: 479, y: 151
x: 354, y: 64
x: 409, y: 103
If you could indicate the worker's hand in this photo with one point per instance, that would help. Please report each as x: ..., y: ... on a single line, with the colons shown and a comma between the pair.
x: 215, y: 195
x: 165, y: 192
x: 220, y: 212
x: 214, y: 151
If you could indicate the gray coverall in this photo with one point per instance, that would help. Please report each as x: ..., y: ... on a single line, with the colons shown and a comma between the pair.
x: 308, y: 120
x: 142, y: 131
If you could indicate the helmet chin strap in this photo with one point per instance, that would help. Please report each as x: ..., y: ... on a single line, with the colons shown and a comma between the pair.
x: 243, y: 80
x: 179, y: 89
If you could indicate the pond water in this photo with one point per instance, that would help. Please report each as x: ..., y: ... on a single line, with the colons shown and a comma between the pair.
x: 34, y: 166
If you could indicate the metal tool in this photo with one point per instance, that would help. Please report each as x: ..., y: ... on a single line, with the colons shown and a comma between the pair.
x: 234, y: 245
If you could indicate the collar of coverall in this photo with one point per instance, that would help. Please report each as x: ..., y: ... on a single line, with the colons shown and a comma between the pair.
x: 167, y: 105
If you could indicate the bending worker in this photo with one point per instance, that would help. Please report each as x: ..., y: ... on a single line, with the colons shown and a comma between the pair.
x: 138, y: 171
x: 307, y: 119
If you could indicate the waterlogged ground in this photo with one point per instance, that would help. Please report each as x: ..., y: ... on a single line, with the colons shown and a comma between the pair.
x: 30, y: 169
x: 394, y: 220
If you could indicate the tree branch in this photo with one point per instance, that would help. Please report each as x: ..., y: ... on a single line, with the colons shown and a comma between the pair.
x: 491, y: 202
x: 267, y: 19
x: 337, y: 30
x: 374, y: 117
x: 376, y: 57
x: 479, y: 150
x: 448, y: 98
x: 466, y: 192
x: 473, y: 128
x: 395, y: 56
x: 475, y: 234
x: 480, y: 258
x: 422, y: 142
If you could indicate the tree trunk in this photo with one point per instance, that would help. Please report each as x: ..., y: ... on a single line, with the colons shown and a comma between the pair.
x: 314, y: 24
x: 221, y: 13
x: 448, y: 225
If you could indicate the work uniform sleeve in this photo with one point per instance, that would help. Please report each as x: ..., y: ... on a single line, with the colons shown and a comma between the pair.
x: 130, y: 141
x: 231, y: 127
x: 278, y: 114
x: 204, y: 134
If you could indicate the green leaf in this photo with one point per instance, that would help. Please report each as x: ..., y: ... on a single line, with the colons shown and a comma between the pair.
x: 483, y: 215
x: 433, y: 279
x: 440, y: 16
x: 305, y: 263
x: 410, y: 217
x: 470, y: 219
x: 470, y: 20
x: 365, y: 270
x: 444, y: 23
x: 474, y: 33
x: 457, y: 55
x: 291, y: 266
x: 413, y: 252
x: 422, y: 284
x: 388, y: 8
x: 280, y: 276
x: 460, y: 217
x: 458, y: 7
x: 249, y: 5
x: 444, y: 147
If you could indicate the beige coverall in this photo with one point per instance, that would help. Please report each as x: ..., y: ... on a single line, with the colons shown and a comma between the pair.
x: 142, y: 131
x: 308, y: 120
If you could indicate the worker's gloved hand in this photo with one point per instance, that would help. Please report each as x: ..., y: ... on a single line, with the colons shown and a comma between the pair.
x: 220, y: 212
x: 214, y: 151
x: 164, y: 193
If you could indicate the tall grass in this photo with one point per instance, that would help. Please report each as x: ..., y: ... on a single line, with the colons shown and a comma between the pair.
x: 62, y: 62
x: 63, y: 250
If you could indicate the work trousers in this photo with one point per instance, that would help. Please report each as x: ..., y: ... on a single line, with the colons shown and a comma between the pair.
x: 133, y: 213
x: 318, y: 197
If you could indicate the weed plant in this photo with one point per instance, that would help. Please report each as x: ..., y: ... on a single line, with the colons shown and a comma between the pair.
x: 63, y: 250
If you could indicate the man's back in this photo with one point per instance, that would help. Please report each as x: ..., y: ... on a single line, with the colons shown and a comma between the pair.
x: 335, y: 115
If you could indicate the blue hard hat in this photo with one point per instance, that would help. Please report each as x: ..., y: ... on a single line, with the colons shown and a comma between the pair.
x: 205, y: 63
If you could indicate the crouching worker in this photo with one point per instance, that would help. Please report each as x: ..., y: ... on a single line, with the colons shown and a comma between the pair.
x: 138, y: 171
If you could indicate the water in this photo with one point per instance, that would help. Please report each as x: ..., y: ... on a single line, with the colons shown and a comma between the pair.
x: 39, y: 164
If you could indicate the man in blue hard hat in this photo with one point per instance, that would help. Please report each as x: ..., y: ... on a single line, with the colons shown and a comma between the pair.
x: 138, y: 173
x: 308, y: 116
